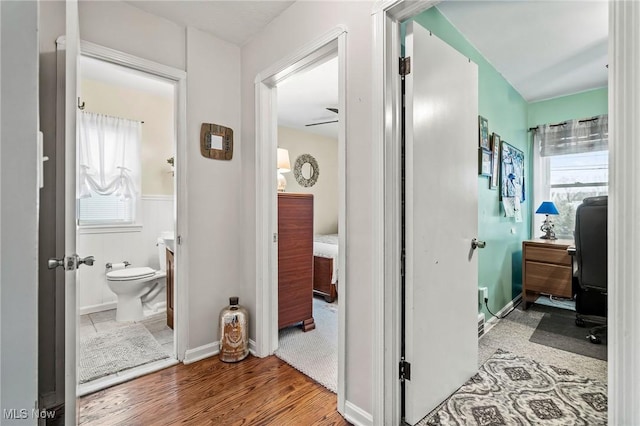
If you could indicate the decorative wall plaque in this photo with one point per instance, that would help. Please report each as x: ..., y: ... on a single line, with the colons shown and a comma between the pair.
x: 216, y: 141
x: 306, y: 170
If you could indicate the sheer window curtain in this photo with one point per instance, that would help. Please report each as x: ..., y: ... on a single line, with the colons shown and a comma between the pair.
x: 108, y: 156
x: 571, y: 137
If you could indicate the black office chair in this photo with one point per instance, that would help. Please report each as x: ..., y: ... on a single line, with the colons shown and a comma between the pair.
x: 590, y: 278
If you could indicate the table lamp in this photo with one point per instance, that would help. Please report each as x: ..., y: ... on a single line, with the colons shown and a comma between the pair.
x: 547, y: 208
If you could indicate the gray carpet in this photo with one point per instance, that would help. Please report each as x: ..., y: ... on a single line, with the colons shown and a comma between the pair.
x: 514, y: 390
x: 557, y: 329
x: 111, y: 351
x: 314, y: 353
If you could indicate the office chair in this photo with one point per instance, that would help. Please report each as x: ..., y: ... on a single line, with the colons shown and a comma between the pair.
x: 590, y: 256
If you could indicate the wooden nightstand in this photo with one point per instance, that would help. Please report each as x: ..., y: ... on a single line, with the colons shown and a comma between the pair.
x: 546, y: 268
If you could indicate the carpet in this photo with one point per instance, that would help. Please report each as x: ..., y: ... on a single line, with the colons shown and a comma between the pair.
x: 558, y: 329
x: 314, y: 353
x: 111, y: 351
x: 513, y: 390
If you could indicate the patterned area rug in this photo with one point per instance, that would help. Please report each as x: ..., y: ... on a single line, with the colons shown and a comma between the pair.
x: 314, y: 353
x: 513, y: 390
x: 108, y: 352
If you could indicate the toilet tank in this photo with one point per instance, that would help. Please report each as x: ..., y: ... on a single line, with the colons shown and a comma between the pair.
x: 162, y: 254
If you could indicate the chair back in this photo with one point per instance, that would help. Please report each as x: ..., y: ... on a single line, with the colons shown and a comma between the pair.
x: 591, y: 243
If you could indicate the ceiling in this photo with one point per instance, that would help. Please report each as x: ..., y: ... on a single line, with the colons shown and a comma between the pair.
x: 543, y: 48
x: 234, y: 21
x: 304, y: 98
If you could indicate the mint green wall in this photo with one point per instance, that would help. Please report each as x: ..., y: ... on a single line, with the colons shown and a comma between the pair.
x: 500, y: 263
x: 581, y: 105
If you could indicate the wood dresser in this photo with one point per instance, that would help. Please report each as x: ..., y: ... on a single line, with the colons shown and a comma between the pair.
x: 295, y: 260
x: 546, y: 268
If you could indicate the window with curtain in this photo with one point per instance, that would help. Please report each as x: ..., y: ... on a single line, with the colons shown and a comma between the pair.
x: 108, y: 187
x: 570, y: 164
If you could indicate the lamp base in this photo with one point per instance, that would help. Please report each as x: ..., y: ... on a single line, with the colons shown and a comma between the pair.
x: 282, y: 182
x: 547, y: 228
x: 548, y: 237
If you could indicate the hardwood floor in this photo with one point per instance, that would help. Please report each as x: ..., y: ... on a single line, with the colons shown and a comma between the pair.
x: 256, y: 391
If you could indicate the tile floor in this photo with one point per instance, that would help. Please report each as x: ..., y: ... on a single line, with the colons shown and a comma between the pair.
x: 106, y: 320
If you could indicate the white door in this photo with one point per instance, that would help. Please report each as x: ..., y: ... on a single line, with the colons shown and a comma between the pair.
x: 441, y: 215
x: 71, y: 259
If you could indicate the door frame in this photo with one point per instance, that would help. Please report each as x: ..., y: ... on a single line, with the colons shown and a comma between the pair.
x: 330, y: 44
x: 387, y: 220
x: 179, y: 78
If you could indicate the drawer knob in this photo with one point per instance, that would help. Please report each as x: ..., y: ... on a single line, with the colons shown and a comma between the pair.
x: 477, y: 244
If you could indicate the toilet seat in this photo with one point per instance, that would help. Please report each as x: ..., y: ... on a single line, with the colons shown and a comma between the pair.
x: 129, y: 274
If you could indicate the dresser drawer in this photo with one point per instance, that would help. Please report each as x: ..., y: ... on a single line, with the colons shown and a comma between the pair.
x: 548, y: 278
x: 547, y: 254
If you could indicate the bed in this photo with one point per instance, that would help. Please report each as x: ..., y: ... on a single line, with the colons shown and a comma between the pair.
x: 325, y: 266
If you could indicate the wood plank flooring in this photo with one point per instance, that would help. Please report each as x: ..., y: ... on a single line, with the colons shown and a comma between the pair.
x: 256, y: 391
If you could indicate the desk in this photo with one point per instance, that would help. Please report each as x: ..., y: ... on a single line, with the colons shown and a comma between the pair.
x: 546, y: 268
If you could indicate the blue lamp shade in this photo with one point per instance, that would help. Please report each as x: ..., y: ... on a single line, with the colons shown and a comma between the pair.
x: 547, y: 207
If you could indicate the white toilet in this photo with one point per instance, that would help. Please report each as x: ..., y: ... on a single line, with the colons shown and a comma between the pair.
x: 136, y: 286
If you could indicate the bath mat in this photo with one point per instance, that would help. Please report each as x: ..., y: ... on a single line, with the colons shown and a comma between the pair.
x: 514, y: 390
x: 314, y: 353
x: 111, y: 351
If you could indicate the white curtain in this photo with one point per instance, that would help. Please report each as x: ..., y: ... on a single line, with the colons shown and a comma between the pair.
x: 108, y: 156
x: 574, y: 136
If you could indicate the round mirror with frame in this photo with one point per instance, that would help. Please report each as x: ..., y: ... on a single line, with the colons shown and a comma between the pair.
x: 306, y: 170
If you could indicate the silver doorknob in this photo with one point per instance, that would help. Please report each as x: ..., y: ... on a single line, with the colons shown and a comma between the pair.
x: 477, y: 244
x: 53, y: 263
x: 86, y: 261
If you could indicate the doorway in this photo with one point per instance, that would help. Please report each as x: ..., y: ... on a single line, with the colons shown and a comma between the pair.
x: 126, y: 123
x: 329, y: 46
x: 308, y: 163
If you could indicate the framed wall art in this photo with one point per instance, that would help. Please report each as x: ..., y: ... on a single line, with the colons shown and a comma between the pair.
x: 511, y: 172
x: 484, y: 162
x: 495, y: 161
x: 483, y: 133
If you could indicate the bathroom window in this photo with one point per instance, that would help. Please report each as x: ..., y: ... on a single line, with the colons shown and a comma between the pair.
x: 108, y: 187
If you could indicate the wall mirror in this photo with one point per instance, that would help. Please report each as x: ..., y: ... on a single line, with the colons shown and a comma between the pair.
x: 306, y: 170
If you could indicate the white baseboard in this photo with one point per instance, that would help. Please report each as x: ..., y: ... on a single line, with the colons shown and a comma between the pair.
x: 92, y: 309
x: 210, y: 349
x: 357, y: 415
x: 201, y: 352
x: 493, y: 320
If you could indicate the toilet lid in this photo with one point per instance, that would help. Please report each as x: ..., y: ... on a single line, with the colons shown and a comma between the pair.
x: 130, y: 274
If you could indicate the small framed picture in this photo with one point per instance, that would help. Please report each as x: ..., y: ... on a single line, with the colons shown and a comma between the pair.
x: 483, y: 132
x: 484, y: 162
x: 495, y: 160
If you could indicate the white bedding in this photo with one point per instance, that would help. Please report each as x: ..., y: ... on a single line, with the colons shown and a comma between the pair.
x: 327, y: 246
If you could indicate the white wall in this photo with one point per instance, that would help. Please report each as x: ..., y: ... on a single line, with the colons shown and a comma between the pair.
x: 296, y: 26
x: 18, y: 210
x: 123, y: 27
x: 138, y: 247
x: 325, y: 191
x: 216, y: 260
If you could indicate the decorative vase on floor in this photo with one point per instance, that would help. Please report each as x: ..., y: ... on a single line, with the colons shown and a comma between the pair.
x: 234, y: 332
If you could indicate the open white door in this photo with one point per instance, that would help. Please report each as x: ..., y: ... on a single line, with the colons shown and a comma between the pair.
x: 441, y: 220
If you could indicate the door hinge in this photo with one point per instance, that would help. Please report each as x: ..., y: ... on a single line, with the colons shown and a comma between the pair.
x: 405, y: 66
x: 403, y: 262
x: 405, y: 370
x: 275, y: 237
x: 179, y: 240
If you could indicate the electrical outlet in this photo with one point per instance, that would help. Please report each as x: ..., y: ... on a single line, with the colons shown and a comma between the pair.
x: 483, y: 294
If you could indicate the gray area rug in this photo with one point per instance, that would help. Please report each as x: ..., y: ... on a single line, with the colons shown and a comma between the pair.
x: 514, y: 390
x: 314, y: 353
x: 558, y: 329
x: 111, y: 351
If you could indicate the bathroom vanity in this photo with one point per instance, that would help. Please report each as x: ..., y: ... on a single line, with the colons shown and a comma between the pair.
x: 170, y: 288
